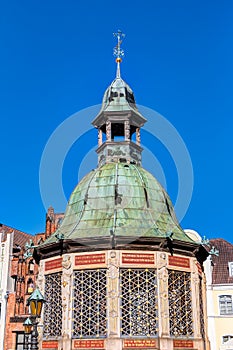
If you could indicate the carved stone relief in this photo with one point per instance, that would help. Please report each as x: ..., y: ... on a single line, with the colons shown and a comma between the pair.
x: 113, y: 293
x: 66, y: 300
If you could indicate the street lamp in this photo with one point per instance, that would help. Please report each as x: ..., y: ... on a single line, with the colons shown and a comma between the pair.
x: 27, y: 330
x: 36, y: 301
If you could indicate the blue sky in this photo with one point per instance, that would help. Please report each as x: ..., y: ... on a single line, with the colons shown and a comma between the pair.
x: 56, y: 59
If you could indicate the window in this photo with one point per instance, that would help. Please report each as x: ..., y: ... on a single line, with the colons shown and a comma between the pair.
x: 225, y: 304
x: 139, y: 302
x: 53, y: 309
x: 89, y: 304
x: 30, y: 286
x: 180, y: 303
x: 31, y: 267
x: 225, y: 338
x: 20, y: 340
x: 230, y: 266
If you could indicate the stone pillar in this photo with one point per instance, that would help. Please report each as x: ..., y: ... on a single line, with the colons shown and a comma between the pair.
x: 113, y: 302
x: 127, y: 130
x: 66, y: 301
x: 108, y: 131
x: 100, y: 137
x: 195, y: 299
x: 163, y: 299
x: 138, y: 136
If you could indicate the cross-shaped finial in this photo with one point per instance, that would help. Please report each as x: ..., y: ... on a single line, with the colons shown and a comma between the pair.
x: 118, y: 52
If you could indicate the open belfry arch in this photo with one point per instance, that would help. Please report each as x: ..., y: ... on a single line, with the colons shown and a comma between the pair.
x: 120, y: 272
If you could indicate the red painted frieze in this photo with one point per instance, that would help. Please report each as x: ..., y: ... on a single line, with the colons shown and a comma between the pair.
x: 89, y: 344
x: 139, y: 343
x: 185, y: 344
x: 138, y: 258
x: 53, y: 264
x: 50, y: 344
x: 179, y: 261
x: 90, y: 259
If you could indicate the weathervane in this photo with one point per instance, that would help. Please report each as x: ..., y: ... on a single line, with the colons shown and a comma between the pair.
x: 118, y: 52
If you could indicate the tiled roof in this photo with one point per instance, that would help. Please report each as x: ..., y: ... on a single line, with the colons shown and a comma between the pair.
x: 220, y: 273
x: 20, y: 238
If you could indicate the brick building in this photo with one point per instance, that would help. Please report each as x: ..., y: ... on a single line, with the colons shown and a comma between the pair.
x: 12, y: 241
x: 17, y: 279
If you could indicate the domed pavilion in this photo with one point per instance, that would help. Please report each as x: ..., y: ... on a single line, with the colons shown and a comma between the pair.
x: 120, y: 273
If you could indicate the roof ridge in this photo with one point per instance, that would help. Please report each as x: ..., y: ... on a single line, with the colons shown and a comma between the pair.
x: 15, y: 229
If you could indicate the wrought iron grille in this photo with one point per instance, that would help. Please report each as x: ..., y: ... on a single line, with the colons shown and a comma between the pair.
x: 53, y: 307
x: 180, y: 303
x: 139, y: 302
x: 202, y: 319
x: 89, y: 305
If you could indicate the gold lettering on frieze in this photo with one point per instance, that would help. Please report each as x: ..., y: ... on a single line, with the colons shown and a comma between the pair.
x: 139, y: 343
x: 179, y: 261
x: 90, y: 259
x: 134, y: 258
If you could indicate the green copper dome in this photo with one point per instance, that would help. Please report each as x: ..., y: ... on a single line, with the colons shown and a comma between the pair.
x: 119, y: 205
x: 120, y: 199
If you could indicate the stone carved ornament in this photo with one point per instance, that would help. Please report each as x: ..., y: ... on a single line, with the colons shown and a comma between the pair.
x: 66, y: 262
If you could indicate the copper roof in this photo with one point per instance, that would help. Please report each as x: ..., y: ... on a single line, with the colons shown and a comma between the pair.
x: 122, y: 198
x: 220, y: 274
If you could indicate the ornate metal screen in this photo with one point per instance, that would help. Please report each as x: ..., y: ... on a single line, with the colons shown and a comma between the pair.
x: 89, y: 305
x: 139, y: 302
x: 202, y: 320
x: 180, y: 303
x: 53, y: 307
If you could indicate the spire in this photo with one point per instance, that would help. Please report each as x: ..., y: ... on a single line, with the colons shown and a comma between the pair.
x: 118, y: 52
x: 119, y: 119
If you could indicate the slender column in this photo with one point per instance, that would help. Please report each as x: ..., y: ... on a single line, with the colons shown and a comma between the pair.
x: 100, y: 137
x: 34, y: 336
x: 26, y: 342
x: 138, y: 136
x: 113, y: 342
x: 113, y: 294
x: 164, y: 342
x: 40, y: 282
x: 108, y: 131
x: 127, y: 130
x: 195, y: 300
x: 67, y: 264
x: 164, y: 307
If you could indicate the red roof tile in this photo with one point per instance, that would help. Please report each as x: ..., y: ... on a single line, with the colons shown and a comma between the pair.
x: 220, y: 273
x: 20, y: 237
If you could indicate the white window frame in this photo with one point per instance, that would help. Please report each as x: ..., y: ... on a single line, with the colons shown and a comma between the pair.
x: 230, y: 266
x: 229, y: 336
x: 225, y: 304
